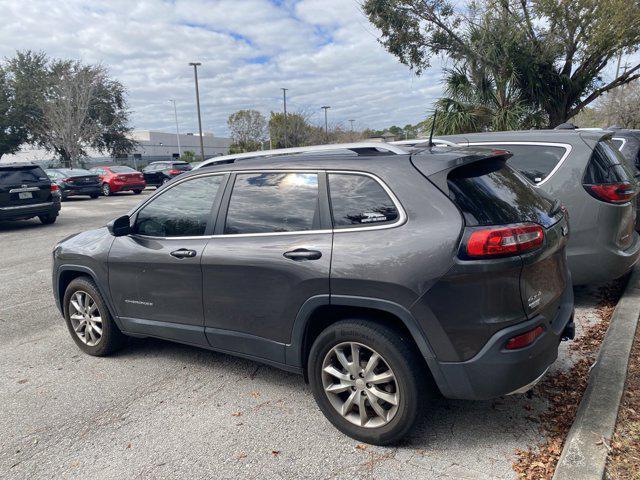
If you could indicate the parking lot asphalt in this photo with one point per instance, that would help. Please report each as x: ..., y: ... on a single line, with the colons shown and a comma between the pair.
x: 163, y: 410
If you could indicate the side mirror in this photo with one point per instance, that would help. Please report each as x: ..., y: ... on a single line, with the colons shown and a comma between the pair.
x: 120, y: 227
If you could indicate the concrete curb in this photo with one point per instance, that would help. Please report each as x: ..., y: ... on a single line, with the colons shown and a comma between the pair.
x: 584, y: 455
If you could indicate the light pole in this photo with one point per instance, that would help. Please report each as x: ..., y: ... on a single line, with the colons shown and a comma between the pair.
x: 284, y: 99
x: 351, y: 122
x: 175, y: 112
x: 195, y: 66
x: 326, y: 125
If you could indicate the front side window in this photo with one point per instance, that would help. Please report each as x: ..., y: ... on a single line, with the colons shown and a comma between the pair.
x: 273, y: 202
x: 359, y: 200
x: 535, y: 162
x: 181, y: 211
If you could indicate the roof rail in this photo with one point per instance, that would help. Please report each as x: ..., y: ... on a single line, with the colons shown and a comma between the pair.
x: 421, y: 141
x: 358, y: 147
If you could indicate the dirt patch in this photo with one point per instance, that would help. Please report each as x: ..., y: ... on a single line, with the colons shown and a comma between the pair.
x: 563, y: 391
x: 624, y: 456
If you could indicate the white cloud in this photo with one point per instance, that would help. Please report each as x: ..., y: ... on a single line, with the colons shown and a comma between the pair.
x: 324, y: 51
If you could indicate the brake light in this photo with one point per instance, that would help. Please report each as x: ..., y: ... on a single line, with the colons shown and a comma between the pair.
x: 504, y: 240
x: 174, y: 172
x: 54, y: 187
x: 612, y: 192
x: 525, y: 339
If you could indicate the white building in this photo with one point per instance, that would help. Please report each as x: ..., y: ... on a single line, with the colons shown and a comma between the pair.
x: 152, y: 146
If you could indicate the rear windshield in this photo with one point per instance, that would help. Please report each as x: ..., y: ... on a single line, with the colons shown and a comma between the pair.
x: 27, y: 174
x: 606, y: 166
x: 492, y: 193
x: 181, y: 166
x: 122, y: 170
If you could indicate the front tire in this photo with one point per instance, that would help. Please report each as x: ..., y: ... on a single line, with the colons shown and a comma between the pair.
x: 88, y: 319
x: 137, y: 192
x: 368, y: 380
x: 106, y: 189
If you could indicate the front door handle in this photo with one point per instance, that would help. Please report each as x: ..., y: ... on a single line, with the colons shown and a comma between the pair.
x: 184, y: 253
x: 300, y: 254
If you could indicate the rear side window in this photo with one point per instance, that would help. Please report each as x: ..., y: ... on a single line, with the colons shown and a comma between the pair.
x: 491, y: 193
x: 13, y: 175
x: 535, y: 162
x: 359, y: 200
x: 273, y: 202
x: 181, y: 211
x: 606, y: 166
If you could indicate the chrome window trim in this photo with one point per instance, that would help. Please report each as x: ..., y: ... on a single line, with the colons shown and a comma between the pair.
x: 402, y: 216
x: 24, y: 189
x: 623, y: 140
x: 566, y: 146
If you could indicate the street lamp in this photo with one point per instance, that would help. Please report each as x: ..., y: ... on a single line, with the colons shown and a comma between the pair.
x: 284, y: 99
x: 175, y: 112
x: 351, y: 122
x: 326, y: 125
x: 195, y: 66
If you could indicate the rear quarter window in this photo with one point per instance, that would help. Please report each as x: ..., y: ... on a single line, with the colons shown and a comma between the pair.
x: 358, y: 200
x: 535, y: 162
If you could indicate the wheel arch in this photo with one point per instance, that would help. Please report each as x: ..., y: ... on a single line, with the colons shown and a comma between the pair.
x: 67, y: 273
x: 319, y: 312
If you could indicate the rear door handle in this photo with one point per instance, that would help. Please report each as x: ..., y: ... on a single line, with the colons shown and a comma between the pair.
x: 184, y: 253
x: 300, y: 254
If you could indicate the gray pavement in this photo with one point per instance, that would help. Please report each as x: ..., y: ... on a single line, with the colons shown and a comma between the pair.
x: 162, y: 410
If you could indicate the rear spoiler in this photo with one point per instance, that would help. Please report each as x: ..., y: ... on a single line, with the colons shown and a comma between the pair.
x: 438, y: 166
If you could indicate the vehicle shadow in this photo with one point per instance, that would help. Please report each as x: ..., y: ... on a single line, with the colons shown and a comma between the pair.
x: 445, y: 424
x: 9, y: 225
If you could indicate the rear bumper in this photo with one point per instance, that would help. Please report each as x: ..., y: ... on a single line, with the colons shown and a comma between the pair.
x: 495, y: 371
x: 123, y: 187
x: 603, y: 265
x: 89, y: 190
x: 28, y: 211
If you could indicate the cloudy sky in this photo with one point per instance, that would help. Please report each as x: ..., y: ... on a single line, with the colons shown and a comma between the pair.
x: 324, y: 51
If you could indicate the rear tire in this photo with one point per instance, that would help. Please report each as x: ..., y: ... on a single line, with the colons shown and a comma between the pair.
x: 48, y: 219
x: 137, y: 192
x: 94, y: 195
x: 106, y: 189
x: 398, y: 358
x: 94, y: 337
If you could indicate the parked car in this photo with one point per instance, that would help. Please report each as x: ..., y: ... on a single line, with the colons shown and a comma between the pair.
x: 585, y: 171
x: 372, y: 275
x: 27, y: 192
x: 119, y: 178
x: 159, y: 173
x: 75, y: 181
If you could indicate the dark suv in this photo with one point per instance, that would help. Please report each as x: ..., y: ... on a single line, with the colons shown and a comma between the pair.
x: 382, y: 278
x: 159, y: 173
x: 27, y: 192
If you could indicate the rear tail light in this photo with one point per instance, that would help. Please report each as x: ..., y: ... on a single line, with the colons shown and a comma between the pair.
x: 174, y: 172
x: 612, y: 192
x: 54, y: 187
x: 504, y: 240
x: 524, y: 339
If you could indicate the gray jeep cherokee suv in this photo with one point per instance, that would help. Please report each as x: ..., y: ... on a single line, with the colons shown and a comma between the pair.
x: 382, y: 278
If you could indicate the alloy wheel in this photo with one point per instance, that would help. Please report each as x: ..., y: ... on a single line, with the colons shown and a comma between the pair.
x: 106, y: 190
x: 360, y: 385
x: 85, y: 318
